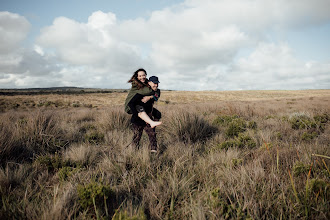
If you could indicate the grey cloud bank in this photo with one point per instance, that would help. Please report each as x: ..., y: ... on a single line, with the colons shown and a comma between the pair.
x: 195, y: 45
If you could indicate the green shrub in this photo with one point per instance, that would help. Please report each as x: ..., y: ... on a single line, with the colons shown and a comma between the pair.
x: 252, y: 125
x: 236, y: 162
x: 302, y: 121
x: 94, y: 194
x: 320, y: 187
x: 314, y: 126
x: 94, y: 137
x: 50, y: 162
x: 241, y: 141
x: 324, y: 118
x: 228, y: 144
x: 65, y: 172
x: 300, y: 168
x: 307, y: 136
x: 321, y: 121
x: 53, y: 162
x: 246, y: 141
x: 235, y: 127
x: 224, y: 119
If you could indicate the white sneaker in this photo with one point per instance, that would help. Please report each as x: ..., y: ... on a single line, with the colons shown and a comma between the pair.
x: 153, y: 151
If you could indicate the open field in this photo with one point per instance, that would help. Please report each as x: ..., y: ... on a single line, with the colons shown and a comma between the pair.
x: 110, y: 99
x: 222, y: 155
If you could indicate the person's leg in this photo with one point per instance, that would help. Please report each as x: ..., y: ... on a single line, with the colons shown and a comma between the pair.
x: 145, y: 117
x: 151, y: 132
x: 137, y: 134
x: 156, y: 115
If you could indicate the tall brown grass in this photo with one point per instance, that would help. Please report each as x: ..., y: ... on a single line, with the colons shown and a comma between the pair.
x: 77, y: 162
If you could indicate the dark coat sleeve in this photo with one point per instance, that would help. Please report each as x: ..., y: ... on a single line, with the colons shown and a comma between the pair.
x: 136, y: 100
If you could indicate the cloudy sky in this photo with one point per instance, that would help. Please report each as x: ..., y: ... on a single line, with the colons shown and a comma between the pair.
x: 189, y: 44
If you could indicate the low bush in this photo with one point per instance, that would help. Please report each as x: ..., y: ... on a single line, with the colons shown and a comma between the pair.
x: 319, y: 186
x: 96, y: 197
x: 242, y: 141
x: 308, y: 136
x: 224, y: 119
x: 300, y: 168
x: 94, y: 137
x: 65, y: 172
x: 235, y: 127
x: 52, y: 162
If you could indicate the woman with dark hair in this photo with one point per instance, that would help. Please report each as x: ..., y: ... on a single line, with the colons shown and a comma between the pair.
x: 139, y: 103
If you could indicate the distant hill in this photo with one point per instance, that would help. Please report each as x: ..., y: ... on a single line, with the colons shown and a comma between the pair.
x: 57, y: 90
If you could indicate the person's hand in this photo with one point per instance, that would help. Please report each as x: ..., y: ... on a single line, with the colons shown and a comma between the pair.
x: 145, y: 99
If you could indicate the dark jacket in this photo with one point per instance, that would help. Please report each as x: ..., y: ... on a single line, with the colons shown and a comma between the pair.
x: 134, y: 90
x: 148, y: 107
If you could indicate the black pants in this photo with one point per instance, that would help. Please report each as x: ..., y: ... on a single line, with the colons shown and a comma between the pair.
x: 151, y: 132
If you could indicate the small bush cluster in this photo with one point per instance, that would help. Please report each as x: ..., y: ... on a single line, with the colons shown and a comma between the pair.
x: 319, y: 187
x: 308, y: 136
x: 224, y: 119
x: 234, y: 124
x: 242, y: 141
x: 50, y: 162
x: 313, y: 126
x: 90, y: 134
x: 94, y: 137
x: 235, y: 127
x: 302, y: 121
x: 65, y: 172
x: 300, y: 168
x: 56, y: 163
x: 97, y: 197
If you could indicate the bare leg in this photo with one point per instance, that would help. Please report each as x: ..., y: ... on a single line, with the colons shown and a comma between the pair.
x: 147, y: 119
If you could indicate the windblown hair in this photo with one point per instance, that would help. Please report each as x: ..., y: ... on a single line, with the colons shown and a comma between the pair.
x: 134, y: 79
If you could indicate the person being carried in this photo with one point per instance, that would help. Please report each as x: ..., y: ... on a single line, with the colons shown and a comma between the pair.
x: 142, y: 91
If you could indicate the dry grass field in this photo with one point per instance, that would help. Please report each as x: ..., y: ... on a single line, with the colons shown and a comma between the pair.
x: 222, y: 155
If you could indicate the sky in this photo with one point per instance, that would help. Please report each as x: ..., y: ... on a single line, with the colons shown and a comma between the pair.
x: 191, y: 45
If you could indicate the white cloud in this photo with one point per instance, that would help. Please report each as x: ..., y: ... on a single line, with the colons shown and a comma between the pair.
x: 13, y: 30
x: 18, y: 64
x: 273, y: 66
x: 93, y: 43
x: 193, y: 46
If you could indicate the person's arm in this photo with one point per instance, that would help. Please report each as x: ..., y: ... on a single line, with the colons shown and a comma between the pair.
x: 145, y: 99
x: 133, y: 102
x: 155, y: 97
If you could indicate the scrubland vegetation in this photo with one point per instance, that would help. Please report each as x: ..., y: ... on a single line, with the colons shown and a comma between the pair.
x: 229, y: 155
